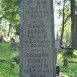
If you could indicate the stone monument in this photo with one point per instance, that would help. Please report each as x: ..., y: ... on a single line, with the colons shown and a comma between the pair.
x: 37, y: 41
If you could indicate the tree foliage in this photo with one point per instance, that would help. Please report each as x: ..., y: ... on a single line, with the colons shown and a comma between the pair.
x: 65, y: 13
x: 10, y: 12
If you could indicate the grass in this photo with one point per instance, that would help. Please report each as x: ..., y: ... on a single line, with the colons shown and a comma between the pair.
x: 5, y: 67
x: 71, y: 69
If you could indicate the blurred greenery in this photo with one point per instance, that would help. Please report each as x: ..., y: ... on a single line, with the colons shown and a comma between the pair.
x: 5, y: 67
x: 15, y: 57
x: 70, y: 70
x: 10, y: 10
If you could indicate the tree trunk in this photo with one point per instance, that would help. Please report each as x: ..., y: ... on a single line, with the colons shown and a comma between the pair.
x: 73, y: 25
x: 62, y: 24
x: 9, y: 29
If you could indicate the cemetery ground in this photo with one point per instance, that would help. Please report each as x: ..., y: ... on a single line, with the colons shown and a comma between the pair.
x: 7, y: 57
x: 69, y: 69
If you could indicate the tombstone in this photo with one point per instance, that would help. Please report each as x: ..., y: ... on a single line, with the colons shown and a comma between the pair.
x: 65, y: 62
x: 14, y: 46
x: 37, y: 55
x: 13, y: 64
x: 57, y: 44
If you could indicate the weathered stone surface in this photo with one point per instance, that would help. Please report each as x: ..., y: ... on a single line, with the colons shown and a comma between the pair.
x: 13, y: 64
x: 65, y: 62
x: 37, y: 56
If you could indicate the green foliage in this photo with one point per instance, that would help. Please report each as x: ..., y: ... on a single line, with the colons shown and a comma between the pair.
x: 7, y: 71
x: 67, y: 34
x: 70, y: 70
x: 59, y: 3
x: 11, y: 12
x: 5, y: 68
x: 14, y: 57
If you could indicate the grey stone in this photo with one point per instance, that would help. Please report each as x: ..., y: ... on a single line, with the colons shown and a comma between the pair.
x: 65, y: 62
x: 13, y: 64
x: 14, y: 46
x: 37, y: 56
x: 57, y: 44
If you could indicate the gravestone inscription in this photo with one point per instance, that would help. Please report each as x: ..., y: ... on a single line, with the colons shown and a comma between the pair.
x: 37, y: 39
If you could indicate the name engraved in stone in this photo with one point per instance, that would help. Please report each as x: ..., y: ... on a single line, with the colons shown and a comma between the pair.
x: 37, y: 71
x: 36, y: 31
x: 29, y: 2
x: 37, y: 60
x: 37, y: 41
x: 36, y: 55
x: 36, y: 26
x: 36, y: 9
x: 35, y: 12
x: 36, y: 3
